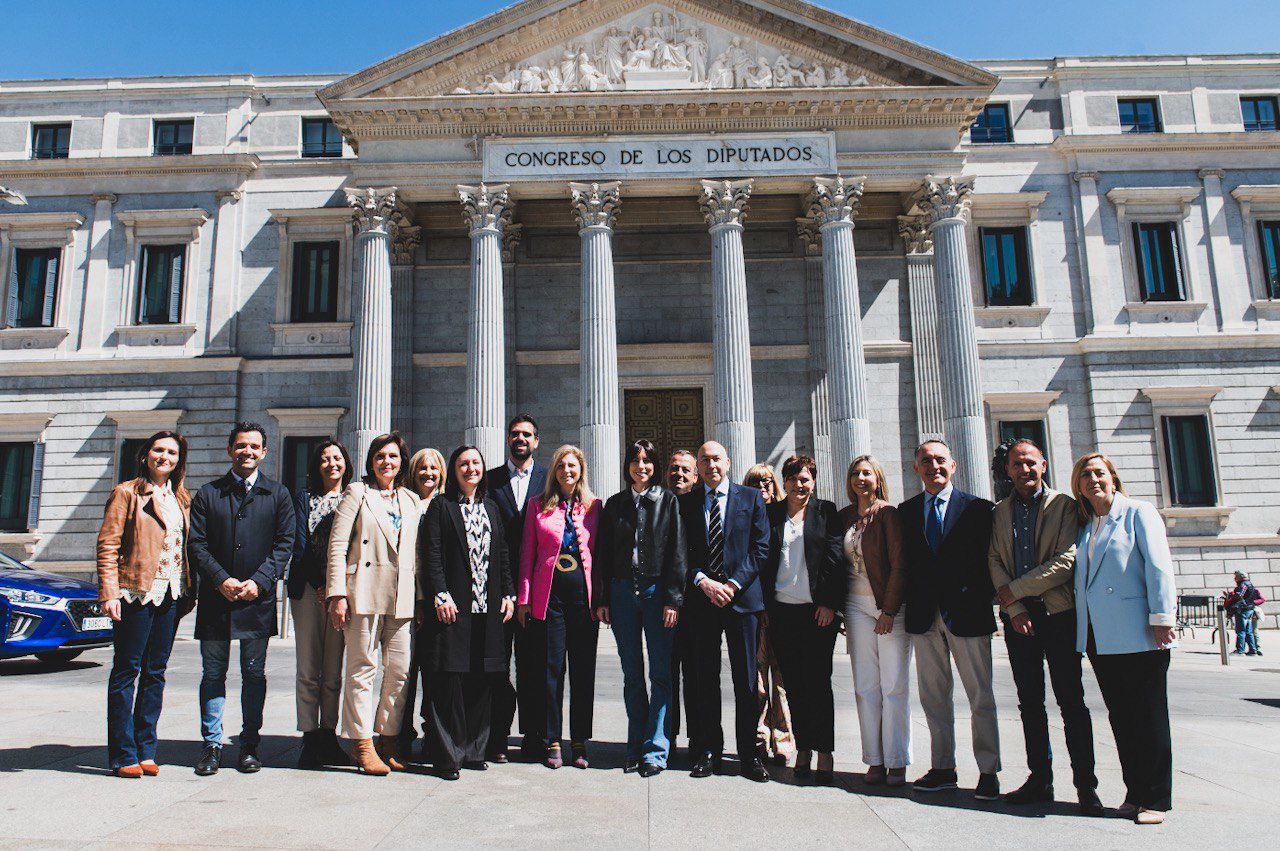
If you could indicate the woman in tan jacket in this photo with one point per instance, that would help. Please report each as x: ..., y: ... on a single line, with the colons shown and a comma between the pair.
x: 372, y: 596
x: 879, y: 647
x: 144, y: 585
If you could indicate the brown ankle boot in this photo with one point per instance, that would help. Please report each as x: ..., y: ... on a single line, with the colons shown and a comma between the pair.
x: 367, y: 760
x: 388, y: 747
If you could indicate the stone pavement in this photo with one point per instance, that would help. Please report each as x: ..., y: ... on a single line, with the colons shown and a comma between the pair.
x: 55, y: 792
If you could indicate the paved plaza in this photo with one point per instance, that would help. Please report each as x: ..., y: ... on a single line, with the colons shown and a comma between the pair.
x: 55, y: 791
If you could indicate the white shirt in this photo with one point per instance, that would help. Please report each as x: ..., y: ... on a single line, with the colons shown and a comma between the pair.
x: 721, y: 496
x: 793, y: 573
x: 519, y: 481
x: 249, y: 482
x: 943, y: 496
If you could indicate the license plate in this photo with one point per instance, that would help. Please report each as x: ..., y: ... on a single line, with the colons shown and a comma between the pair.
x: 95, y: 624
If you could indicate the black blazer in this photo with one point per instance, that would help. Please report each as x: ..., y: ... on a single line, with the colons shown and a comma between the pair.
x: 249, y: 540
x: 828, y: 582
x: 746, y: 541
x: 498, y: 482
x: 660, y: 539
x: 956, y: 580
x: 308, y: 567
x: 444, y: 564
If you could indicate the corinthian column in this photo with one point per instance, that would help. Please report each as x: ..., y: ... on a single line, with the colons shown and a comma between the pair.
x: 923, y: 300
x: 833, y: 203
x: 487, y: 210
x: 403, y: 248
x: 946, y: 202
x: 371, y: 309
x: 724, y: 204
x: 596, y: 207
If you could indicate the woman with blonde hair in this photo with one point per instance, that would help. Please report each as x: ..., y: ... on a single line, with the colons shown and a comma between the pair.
x: 879, y: 647
x: 555, y: 589
x: 765, y: 479
x: 425, y: 477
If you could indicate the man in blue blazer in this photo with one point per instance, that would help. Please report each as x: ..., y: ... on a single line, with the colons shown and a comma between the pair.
x: 946, y: 534
x: 511, y: 486
x: 727, y: 532
x: 241, y: 540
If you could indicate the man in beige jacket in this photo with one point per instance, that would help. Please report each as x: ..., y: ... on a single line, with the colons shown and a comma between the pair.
x: 1032, y: 561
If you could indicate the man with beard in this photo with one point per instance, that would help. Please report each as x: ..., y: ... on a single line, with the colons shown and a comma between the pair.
x: 511, y: 486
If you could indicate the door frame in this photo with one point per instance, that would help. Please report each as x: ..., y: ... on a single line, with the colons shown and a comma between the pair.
x: 666, y: 382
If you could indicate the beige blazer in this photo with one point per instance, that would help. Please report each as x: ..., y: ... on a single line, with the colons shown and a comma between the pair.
x: 369, y: 564
x: 1057, y: 526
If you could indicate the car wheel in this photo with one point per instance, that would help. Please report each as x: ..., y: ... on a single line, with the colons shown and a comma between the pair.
x: 58, y: 657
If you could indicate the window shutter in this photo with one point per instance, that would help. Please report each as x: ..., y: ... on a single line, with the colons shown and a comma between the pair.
x: 175, y: 286
x: 37, y: 482
x: 11, y: 302
x: 50, y: 290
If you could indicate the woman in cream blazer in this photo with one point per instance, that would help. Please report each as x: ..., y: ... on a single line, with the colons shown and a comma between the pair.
x: 372, y: 596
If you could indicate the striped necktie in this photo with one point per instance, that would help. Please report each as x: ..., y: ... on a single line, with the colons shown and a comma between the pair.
x: 715, y: 540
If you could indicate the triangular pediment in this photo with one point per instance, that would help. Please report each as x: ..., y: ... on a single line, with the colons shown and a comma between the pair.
x: 593, y: 46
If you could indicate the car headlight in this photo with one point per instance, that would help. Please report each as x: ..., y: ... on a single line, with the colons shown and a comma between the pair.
x: 17, y: 595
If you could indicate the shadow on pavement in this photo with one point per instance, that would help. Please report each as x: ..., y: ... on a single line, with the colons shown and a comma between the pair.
x: 27, y: 666
x: 275, y: 751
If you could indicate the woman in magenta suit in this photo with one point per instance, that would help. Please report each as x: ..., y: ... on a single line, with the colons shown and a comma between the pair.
x: 555, y: 592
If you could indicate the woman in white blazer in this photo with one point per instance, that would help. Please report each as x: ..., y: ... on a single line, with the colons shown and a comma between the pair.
x: 373, y: 595
x: 1126, y: 607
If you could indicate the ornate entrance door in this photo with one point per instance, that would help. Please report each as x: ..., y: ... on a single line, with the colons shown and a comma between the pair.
x: 671, y: 419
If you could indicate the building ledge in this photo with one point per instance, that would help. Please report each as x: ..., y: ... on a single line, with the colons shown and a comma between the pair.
x: 1173, y: 515
x: 32, y: 338
x: 311, y: 338
x: 1019, y: 316
x: 1165, y: 312
x: 1267, y: 308
x: 241, y: 164
x: 155, y: 335
x: 19, y: 545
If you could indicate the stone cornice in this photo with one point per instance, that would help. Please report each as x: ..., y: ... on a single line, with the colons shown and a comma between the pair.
x: 1149, y: 143
x: 91, y: 167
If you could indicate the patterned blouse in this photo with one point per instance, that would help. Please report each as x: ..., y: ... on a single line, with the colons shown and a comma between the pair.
x: 476, y: 519
x: 322, y: 506
x: 168, y: 579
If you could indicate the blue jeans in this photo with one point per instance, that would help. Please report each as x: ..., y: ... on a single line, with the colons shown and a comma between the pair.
x: 143, y: 640
x: 1246, y: 632
x: 215, y: 656
x: 637, y: 620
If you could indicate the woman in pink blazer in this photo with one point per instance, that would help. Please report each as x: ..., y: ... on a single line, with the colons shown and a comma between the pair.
x: 555, y: 591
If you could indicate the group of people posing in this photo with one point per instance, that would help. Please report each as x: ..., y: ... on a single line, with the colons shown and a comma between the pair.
x: 434, y: 574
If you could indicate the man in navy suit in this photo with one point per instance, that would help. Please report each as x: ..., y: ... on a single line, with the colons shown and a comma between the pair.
x: 511, y: 486
x: 727, y: 532
x: 946, y: 535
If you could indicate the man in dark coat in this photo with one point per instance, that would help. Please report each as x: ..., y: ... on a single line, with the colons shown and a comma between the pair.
x: 241, y: 539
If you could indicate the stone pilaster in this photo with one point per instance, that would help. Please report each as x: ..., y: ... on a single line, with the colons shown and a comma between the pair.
x: 922, y: 294
x: 404, y: 248
x: 833, y: 204
x: 816, y: 332
x: 371, y: 316
x: 223, y: 294
x: 93, y: 328
x: 1230, y: 287
x: 946, y: 202
x: 724, y: 204
x: 487, y: 210
x: 1103, y: 306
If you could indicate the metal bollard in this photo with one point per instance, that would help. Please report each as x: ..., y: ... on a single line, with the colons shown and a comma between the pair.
x: 1222, y: 635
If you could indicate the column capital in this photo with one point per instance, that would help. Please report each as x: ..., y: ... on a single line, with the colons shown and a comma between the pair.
x: 834, y: 200
x: 373, y: 208
x: 103, y: 197
x: 914, y: 231
x: 511, y: 237
x: 811, y: 235
x: 724, y: 202
x: 595, y: 205
x: 1206, y: 173
x: 405, y: 236
x: 944, y: 198
x: 1081, y: 176
x: 229, y: 196
x: 485, y: 207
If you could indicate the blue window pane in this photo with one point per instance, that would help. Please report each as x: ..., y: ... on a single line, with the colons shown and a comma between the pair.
x: 320, y: 138
x: 1259, y: 113
x: 1159, y: 261
x: 1269, y: 237
x: 993, y: 125
x: 1006, y: 267
x: 315, y: 281
x: 1190, y: 460
x: 1139, y: 115
x: 15, y: 485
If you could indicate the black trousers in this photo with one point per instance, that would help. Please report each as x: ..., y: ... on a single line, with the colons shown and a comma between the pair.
x: 531, y: 681
x: 672, y: 723
x: 502, y: 710
x: 804, y: 652
x: 1053, y: 642
x: 704, y: 624
x: 570, y: 639
x: 1135, y: 687
x: 460, y: 707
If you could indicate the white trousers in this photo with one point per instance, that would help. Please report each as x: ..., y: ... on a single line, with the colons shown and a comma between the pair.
x: 935, y: 651
x: 369, y: 636
x: 881, y: 683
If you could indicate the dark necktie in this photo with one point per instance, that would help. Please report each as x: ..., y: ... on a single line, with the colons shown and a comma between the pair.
x: 715, y: 541
x: 933, y: 525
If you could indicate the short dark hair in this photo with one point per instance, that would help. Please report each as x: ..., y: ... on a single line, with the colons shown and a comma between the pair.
x: 633, y: 454
x: 451, y: 489
x: 793, y: 465
x: 523, y: 418
x: 313, y: 466
x: 376, y: 446
x: 244, y: 427
x: 939, y: 441
x: 676, y: 452
x: 1022, y: 441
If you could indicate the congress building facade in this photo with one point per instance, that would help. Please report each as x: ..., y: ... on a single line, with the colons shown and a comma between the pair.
x: 754, y: 220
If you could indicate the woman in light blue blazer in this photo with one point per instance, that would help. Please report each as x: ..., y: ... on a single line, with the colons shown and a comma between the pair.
x: 1126, y: 606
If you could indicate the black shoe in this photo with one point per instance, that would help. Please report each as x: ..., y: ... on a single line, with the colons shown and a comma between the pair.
x: 988, y: 788
x: 1251, y: 653
x: 311, y: 757
x: 632, y: 766
x: 702, y: 766
x: 1258, y: 653
x: 802, y: 771
x: 476, y: 765
x: 719, y: 768
x: 754, y: 770
x: 332, y: 752
x: 648, y: 769
x: 935, y: 780
x: 1091, y: 804
x: 1034, y: 791
x: 248, y: 763
x: 498, y: 758
x: 824, y: 777
x: 450, y: 773
x: 210, y: 760
x: 532, y: 749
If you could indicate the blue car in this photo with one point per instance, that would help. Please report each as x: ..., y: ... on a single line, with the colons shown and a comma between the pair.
x: 55, y: 618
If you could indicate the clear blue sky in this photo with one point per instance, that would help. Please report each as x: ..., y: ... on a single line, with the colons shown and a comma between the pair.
x: 83, y: 38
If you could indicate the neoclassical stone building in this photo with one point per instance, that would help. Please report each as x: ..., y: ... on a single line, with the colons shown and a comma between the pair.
x: 754, y: 220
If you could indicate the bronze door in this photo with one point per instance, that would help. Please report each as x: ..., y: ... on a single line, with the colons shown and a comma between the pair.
x: 671, y: 419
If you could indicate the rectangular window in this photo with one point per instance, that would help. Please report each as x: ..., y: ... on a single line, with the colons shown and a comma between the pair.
x: 1259, y: 112
x: 16, y: 465
x: 160, y: 284
x: 297, y: 454
x: 33, y: 288
x: 173, y: 137
x: 127, y: 468
x: 1159, y: 259
x: 993, y: 125
x: 1032, y: 430
x: 315, y: 282
x: 1190, y: 459
x: 1269, y: 238
x: 1140, y: 115
x: 320, y: 138
x: 1006, y: 266
x: 51, y: 141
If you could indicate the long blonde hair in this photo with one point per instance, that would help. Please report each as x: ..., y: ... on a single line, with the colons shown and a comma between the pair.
x: 581, y: 491
x: 882, y: 490
x: 419, y: 461
x: 755, y: 475
x: 1084, y: 508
